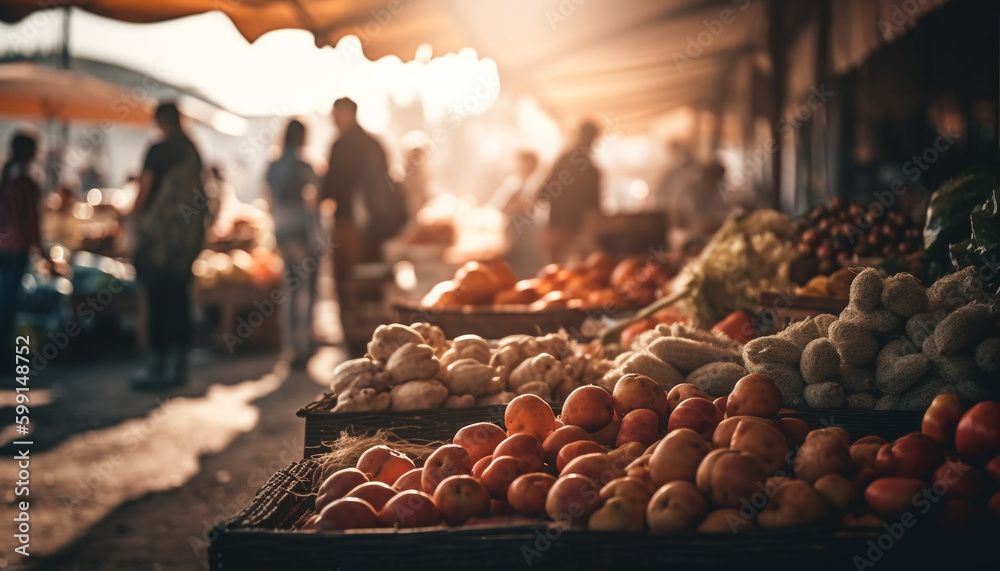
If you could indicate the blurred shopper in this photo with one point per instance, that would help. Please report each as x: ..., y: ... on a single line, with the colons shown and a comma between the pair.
x: 361, y: 223
x: 19, y: 227
x: 514, y: 199
x: 296, y: 222
x: 414, y: 183
x: 572, y: 189
x: 171, y: 214
x: 699, y: 208
x: 682, y: 172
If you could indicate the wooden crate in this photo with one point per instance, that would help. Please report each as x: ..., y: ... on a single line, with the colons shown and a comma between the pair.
x: 785, y: 308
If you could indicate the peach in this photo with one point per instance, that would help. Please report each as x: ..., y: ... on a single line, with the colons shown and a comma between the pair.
x: 628, y: 488
x: 699, y: 415
x: 676, y: 506
x: 524, y: 447
x: 448, y: 460
x: 678, y: 457
x: 589, y: 407
x: 599, y: 467
x: 480, y: 466
x: 634, y: 391
x: 337, y: 485
x: 527, y: 493
x: 609, y: 434
x: 409, y: 480
x: 410, y: 508
x: 727, y: 476
x: 347, y: 513
x: 461, y: 497
x: 618, y: 514
x: 383, y: 464
x: 479, y: 439
x: 641, y: 425
x: 726, y: 520
x: 529, y: 414
x: 763, y: 441
x: 756, y: 395
x: 375, y: 493
x: 571, y: 500
x: 575, y: 450
x: 561, y: 437
x: 500, y: 473
x: 683, y: 391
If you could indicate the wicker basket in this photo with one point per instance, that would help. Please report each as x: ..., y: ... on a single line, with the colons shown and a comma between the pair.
x: 262, y: 537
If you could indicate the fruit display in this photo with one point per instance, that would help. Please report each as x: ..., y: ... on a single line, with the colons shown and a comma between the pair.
x: 748, y: 255
x: 642, y: 458
x: 259, y: 267
x: 838, y: 234
x: 598, y: 283
x: 415, y: 367
x: 897, y: 345
x: 679, y: 353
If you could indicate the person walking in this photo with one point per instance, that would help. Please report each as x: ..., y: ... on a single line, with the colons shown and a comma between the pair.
x: 20, y: 194
x: 369, y: 208
x: 292, y: 182
x: 170, y: 218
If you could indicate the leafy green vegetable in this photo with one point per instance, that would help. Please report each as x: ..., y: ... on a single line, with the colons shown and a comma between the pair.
x: 949, y: 221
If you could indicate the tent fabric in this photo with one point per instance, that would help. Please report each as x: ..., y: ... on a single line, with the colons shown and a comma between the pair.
x: 29, y: 90
x: 860, y: 27
x: 623, y: 61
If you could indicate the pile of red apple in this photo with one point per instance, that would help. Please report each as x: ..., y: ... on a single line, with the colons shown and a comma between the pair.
x: 725, y: 466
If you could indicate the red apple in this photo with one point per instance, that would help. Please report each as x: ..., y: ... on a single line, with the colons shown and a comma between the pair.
x: 461, y: 497
x: 337, y: 486
x: 572, y: 499
x: 941, y: 418
x: 383, y: 464
x: 479, y: 439
x: 978, y: 434
x: 699, y: 415
x: 599, y: 467
x: 559, y: 438
x: 634, y: 391
x: 375, y: 493
x: 676, y: 506
x: 915, y: 455
x: 410, y: 508
x: 500, y: 473
x: 525, y: 448
x: 958, y: 480
x: 448, y: 460
x: 642, y: 425
x: 891, y: 497
x: 576, y: 449
x: 589, y: 407
x: 527, y: 493
x: 347, y: 513
x: 728, y: 477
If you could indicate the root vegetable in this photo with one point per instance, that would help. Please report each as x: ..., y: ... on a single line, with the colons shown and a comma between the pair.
x: 771, y: 349
x: 898, y: 366
x: 717, y: 379
x: 787, y: 378
x: 418, y: 395
x: 469, y: 376
x: 862, y: 401
x: 876, y: 320
x: 357, y: 373
x: 920, y: 326
x: 543, y: 368
x: 856, y: 380
x: 955, y: 290
x: 854, y: 343
x: 388, y: 338
x: 497, y: 399
x: 956, y: 368
x: 433, y: 336
x: 801, y: 333
x: 367, y: 399
x: 820, y: 362
x: 824, y: 395
x: 921, y: 395
x: 411, y: 362
x: 687, y: 355
x: 822, y: 322
x: 904, y: 295
x: 663, y: 373
x: 988, y: 355
x: 866, y: 290
x: 459, y: 401
x: 963, y: 328
x: 538, y: 388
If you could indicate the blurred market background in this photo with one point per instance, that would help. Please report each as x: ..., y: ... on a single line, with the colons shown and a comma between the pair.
x: 793, y: 104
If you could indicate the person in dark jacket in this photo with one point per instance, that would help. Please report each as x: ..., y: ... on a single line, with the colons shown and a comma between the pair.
x: 19, y: 227
x: 171, y: 213
x: 369, y: 208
